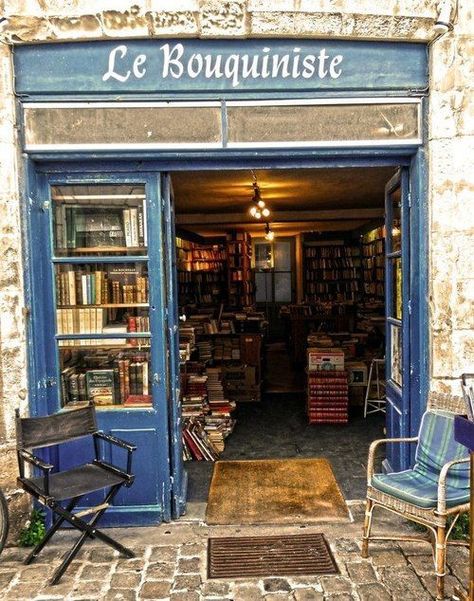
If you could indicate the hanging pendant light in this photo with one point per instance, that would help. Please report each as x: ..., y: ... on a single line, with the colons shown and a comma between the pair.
x: 269, y: 233
x: 258, y: 209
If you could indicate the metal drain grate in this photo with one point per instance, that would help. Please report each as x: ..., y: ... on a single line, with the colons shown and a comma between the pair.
x: 289, y: 555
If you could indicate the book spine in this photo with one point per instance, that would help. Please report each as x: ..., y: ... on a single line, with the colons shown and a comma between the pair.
x: 127, y: 227
x: 134, y: 226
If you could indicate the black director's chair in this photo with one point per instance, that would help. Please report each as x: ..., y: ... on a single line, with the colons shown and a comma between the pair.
x: 52, y: 489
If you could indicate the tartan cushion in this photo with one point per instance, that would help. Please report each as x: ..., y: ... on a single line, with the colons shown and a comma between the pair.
x: 415, y: 488
x: 436, y: 447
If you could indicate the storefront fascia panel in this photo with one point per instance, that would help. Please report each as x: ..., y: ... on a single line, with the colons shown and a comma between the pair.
x: 216, y: 69
x: 99, y: 127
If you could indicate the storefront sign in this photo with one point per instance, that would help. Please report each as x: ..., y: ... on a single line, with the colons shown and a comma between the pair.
x: 180, y: 67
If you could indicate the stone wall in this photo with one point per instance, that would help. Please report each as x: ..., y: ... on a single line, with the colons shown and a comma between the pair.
x: 451, y: 142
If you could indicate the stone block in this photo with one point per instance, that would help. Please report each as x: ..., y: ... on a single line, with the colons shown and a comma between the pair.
x: 441, y: 354
x: 373, y: 592
x: 215, y: 588
x: 246, y: 592
x: 404, y: 584
x: 117, y: 594
x: 383, y: 557
x: 271, y: 23
x: 186, y: 582
x: 275, y: 585
x: 160, y: 570
x: 458, y: 562
x: 450, y: 584
x: 74, y: 28
x: 126, y: 23
x: 463, y: 352
x: 164, y: 554
x: 173, y: 22
x: 189, y: 566
x: 361, y: 572
x: 336, y: 585
x: 307, y: 594
x: 464, y: 315
x: 185, y: 596
x: 127, y: 580
x: 219, y: 18
x: 155, y: 589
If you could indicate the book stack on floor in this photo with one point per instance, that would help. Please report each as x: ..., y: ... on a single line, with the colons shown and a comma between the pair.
x: 196, y: 443
x: 328, y: 391
x: 218, y: 423
x: 206, y: 413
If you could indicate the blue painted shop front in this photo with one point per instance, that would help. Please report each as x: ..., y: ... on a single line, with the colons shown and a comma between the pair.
x: 53, y: 80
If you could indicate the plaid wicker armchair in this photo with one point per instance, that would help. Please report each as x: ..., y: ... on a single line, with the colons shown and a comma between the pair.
x: 437, y: 487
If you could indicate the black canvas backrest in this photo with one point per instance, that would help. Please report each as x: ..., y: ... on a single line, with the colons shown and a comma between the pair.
x: 36, y: 432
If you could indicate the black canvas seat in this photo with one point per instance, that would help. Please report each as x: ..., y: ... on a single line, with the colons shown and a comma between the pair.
x: 61, y: 491
x: 77, y: 482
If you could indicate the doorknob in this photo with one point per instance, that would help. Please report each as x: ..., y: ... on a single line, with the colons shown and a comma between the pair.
x: 182, y: 317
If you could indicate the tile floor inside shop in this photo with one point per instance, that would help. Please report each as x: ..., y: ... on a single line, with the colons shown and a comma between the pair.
x: 171, y: 564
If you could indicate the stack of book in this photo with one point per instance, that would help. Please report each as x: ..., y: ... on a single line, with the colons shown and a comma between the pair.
x: 205, y: 348
x: 328, y: 390
x: 227, y: 348
x: 196, y: 443
x: 328, y: 398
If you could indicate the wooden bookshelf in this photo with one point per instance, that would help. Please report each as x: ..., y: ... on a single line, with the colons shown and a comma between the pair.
x: 241, y: 283
x: 373, y: 265
x: 331, y: 272
x: 100, y: 249
x: 106, y: 306
x: 201, y: 273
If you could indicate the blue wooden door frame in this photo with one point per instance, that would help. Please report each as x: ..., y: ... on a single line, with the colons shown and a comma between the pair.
x: 148, y: 427
x: 72, y: 167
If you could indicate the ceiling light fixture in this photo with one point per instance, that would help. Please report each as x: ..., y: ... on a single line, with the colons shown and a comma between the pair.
x: 258, y: 209
x: 269, y: 233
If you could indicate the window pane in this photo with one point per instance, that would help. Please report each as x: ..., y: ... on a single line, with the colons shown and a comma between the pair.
x: 397, y: 306
x: 263, y: 256
x: 396, y: 354
x: 91, y: 219
x: 283, y: 288
x: 263, y: 281
x: 282, y: 251
x: 396, y: 232
x: 106, y: 376
x: 177, y: 125
x: 313, y: 123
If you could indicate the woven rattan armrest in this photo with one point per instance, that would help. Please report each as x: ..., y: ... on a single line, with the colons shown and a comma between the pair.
x: 442, y: 483
x: 373, y: 448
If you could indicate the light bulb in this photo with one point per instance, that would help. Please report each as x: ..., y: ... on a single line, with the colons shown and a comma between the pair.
x: 270, y: 235
x: 261, y: 203
x: 265, y: 212
x: 253, y: 210
x: 258, y: 215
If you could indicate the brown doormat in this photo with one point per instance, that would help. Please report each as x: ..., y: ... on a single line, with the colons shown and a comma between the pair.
x: 274, y: 491
x: 259, y: 556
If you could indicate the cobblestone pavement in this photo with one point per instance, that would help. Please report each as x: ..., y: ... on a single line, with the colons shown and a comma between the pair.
x: 171, y: 564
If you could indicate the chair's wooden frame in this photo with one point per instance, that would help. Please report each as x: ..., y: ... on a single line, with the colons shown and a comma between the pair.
x: 435, y: 519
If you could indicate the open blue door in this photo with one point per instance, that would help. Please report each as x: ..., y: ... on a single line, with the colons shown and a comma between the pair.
x: 178, y: 475
x: 397, y: 291
x: 101, y: 289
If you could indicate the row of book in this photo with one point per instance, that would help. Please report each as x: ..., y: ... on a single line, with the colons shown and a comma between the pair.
x: 332, y: 263
x: 331, y: 251
x: 332, y: 286
x: 125, y: 383
x: 313, y: 275
x: 77, y: 286
x: 373, y: 248
x: 79, y: 226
